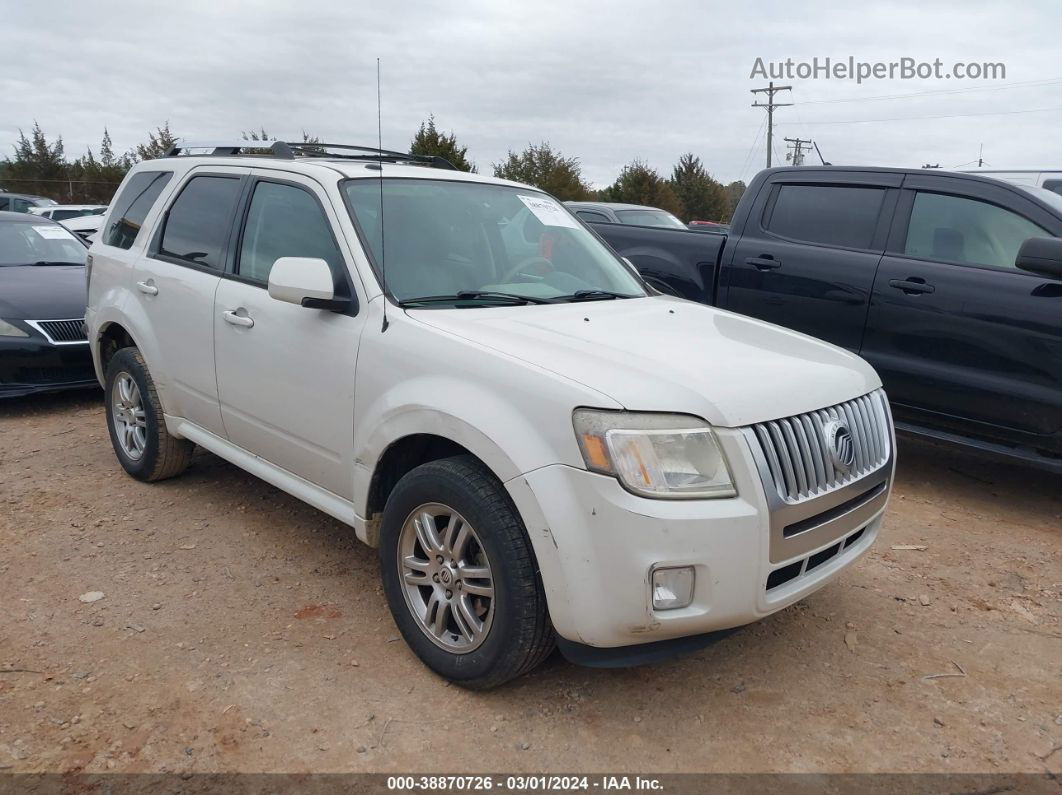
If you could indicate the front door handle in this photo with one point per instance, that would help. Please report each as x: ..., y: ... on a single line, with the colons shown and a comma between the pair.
x: 764, y: 263
x: 147, y: 288
x: 912, y: 286
x: 232, y: 316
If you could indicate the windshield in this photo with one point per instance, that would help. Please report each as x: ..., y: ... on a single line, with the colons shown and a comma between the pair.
x: 650, y: 217
x: 44, y: 242
x: 441, y: 238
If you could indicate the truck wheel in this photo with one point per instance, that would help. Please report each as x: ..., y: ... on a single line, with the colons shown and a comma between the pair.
x: 460, y: 575
x: 144, y: 447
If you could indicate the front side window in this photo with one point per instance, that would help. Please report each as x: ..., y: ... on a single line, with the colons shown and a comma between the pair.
x: 132, y: 206
x: 957, y: 229
x: 650, y: 217
x: 831, y: 215
x: 284, y: 221
x: 441, y: 237
x: 22, y: 205
x: 198, y: 222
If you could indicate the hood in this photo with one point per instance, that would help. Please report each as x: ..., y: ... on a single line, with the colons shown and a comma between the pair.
x: 666, y: 354
x: 42, y: 292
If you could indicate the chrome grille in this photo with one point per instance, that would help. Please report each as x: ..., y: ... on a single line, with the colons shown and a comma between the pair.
x: 61, y: 332
x: 798, y: 452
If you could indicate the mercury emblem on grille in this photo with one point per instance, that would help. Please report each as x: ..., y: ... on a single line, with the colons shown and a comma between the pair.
x: 839, y: 444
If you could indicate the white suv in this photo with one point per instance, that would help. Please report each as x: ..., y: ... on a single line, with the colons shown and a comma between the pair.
x: 543, y: 450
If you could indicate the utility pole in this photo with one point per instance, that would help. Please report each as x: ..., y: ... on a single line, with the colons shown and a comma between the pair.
x: 798, y: 146
x: 770, y: 91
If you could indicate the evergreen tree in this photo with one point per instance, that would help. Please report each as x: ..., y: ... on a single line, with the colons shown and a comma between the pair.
x: 734, y: 192
x: 551, y: 171
x: 640, y: 184
x: 429, y: 141
x: 159, y: 143
x: 702, y: 197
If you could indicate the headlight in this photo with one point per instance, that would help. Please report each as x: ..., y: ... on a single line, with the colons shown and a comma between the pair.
x: 7, y: 330
x: 668, y: 456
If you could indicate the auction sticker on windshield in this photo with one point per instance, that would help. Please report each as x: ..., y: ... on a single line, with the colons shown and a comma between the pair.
x: 52, y: 232
x: 548, y: 211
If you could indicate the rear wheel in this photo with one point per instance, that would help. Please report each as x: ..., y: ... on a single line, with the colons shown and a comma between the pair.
x: 145, y: 449
x: 460, y: 575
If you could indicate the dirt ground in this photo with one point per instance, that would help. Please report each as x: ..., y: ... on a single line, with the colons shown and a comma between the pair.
x: 241, y: 630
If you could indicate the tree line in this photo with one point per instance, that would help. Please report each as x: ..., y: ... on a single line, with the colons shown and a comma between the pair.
x: 40, y: 167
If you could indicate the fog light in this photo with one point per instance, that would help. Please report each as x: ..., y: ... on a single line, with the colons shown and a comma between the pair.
x: 672, y: 588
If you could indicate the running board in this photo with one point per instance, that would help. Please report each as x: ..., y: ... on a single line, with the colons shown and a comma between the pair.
x: 1022, y: 455
x: 321, y: 499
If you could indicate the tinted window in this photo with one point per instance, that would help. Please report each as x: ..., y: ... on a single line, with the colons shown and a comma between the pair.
x: 1054, y: 185
x: 132, y: 206
x: 956, y: 229
x: 22, y: 205
x: 591, y: 215
x: 197, y: 224
x: 62, y: 215
x: 284, y: 221
x: 650, y: 218
x: 829, y: 214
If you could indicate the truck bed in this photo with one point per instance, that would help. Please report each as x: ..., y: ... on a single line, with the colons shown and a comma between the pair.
x: 675, y: 261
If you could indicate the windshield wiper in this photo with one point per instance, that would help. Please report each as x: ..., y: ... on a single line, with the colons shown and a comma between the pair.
x: 593, y: 295
x: 513, y: 299
x: 47, y: 262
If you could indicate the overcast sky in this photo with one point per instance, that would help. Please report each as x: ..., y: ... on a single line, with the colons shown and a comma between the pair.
x: 605, y: 81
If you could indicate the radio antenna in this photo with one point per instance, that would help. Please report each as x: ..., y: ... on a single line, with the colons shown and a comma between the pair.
x: 383, y: 246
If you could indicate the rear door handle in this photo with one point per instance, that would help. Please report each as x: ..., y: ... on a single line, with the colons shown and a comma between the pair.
x: 912, y: 287
x: 147, y: 288
x: 232, y: 316
x: 764, y: 263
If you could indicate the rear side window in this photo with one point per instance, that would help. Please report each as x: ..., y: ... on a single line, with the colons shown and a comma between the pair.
x: 198, y: 222
x: 284, y: 221
x: 1053, y: 185
x: 832, y: 215
x: 132, y: 206
x: 4, y: 202
x: 591, y: 215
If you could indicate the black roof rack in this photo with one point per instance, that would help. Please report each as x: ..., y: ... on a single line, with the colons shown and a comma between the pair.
x: 290, y: 150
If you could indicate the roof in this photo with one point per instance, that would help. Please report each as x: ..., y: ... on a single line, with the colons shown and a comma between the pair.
x: 614, y: 206
x: 22, y: 195
x: 324, y: 165
x: 26, y: 218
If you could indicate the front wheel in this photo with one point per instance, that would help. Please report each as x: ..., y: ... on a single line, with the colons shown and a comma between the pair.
x: 460, y: 575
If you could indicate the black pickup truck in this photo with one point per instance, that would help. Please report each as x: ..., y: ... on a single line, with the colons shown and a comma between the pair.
x: 950, y: 285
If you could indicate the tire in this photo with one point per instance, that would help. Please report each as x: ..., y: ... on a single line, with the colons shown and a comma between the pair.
x: 162, y: 455
x: 516, y: 632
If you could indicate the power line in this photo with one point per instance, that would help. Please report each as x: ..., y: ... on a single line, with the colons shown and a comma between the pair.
x: 748, y: 156
x: 946, y: 116
x: 932, y: 92
x: 770, y: 105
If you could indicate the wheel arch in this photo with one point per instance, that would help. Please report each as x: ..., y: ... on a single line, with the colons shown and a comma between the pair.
x: 404, y: 442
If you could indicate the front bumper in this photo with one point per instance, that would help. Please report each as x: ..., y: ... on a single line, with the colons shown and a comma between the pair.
x: 29, y: 365
x: 597, y: 545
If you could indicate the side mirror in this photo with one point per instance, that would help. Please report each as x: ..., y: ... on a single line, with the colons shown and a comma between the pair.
x: 306, y: 281
x: 1042, y: 256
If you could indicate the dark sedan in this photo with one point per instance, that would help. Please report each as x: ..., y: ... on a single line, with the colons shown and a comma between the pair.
x: 42, y: 306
